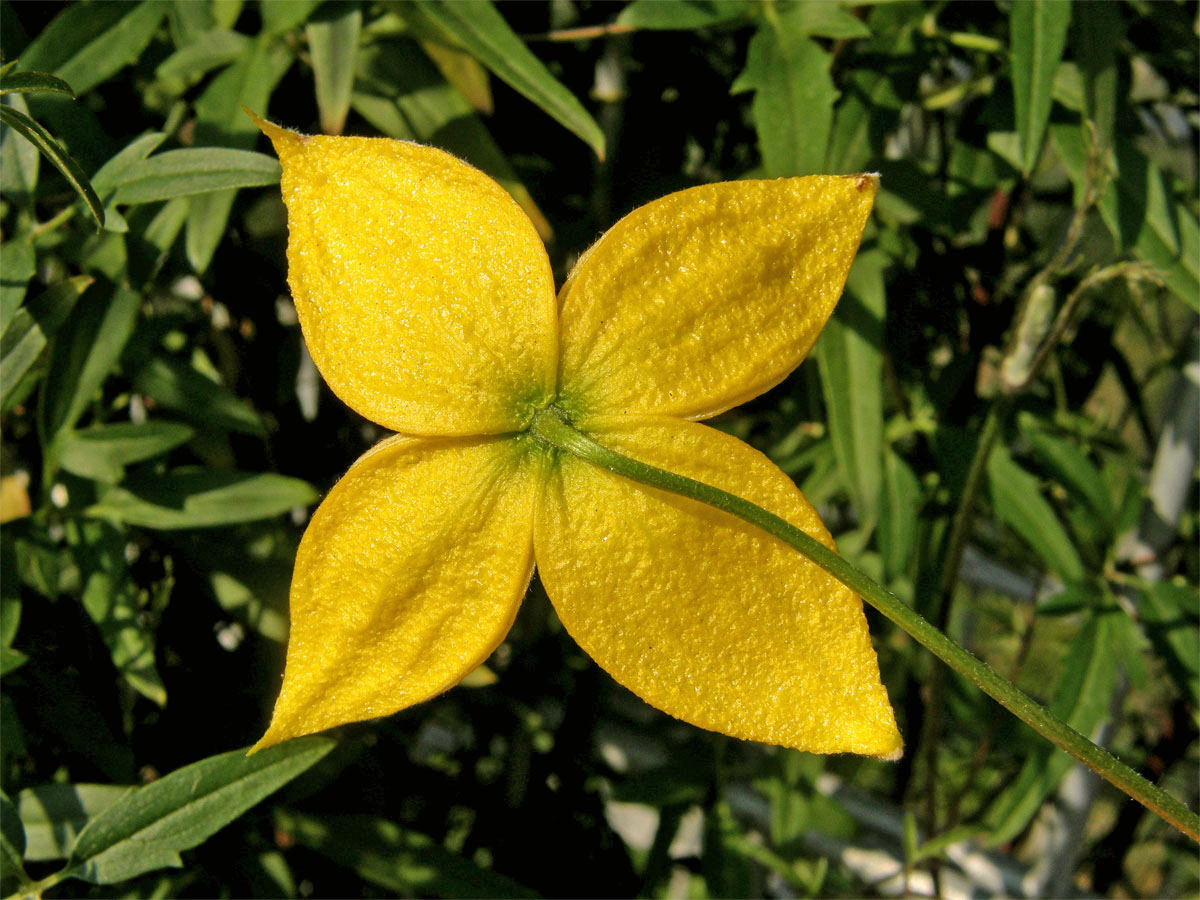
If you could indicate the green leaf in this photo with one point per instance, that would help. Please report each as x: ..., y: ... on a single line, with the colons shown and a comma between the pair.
x: 1081, y: 699
x: 33, y: 82
x: 819, y: 18
x: 1074, y: 471
x: 194, y: 170
x: 210, y: 50
x: 53, y: 151
x: 850, y: 357
x: 32, y: 327
x: 108, y: 175
x: 333, y: 43
x: 220, y: 120
x: 873, y: 95
x: 111, y: 600
x: 85, y: 351
x: 148, y: 828
x: 88, y: 43
x: 1097, y: 36
x: 1140, y: 211
x: 482, y: 31
x: 19, y: 159
x: 102, y: 451
x: 394, y: 858
x: 17, y: 265
x: 12, y: 847
x: 1037, y: 40
x: 681, y: 15
x: 201, y: 499
x: 794, y: 96
x: 284, y: 15
x: 899, y: 510
x: 1171, y: 614
x: 1018, y: 501
x: 177, y: 386
x: 55, y: 813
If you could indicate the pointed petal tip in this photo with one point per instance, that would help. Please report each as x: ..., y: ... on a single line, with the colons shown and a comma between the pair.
x: 280, y: 137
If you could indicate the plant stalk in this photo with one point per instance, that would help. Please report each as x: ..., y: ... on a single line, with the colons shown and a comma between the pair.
x: 550, y: 428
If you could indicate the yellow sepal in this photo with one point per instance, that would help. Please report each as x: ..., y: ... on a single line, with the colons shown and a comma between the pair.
x: 408, y: 577
x: 424, y: 292
x: 699, y: 301
x: 699, y: 613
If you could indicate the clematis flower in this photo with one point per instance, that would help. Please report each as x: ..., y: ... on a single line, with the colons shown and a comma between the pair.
x: 427, y: 302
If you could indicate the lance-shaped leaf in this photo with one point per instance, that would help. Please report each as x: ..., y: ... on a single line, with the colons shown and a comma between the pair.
x: 1039, y: 34
x: 53, y: 151
x: 149, y: 827
x: 481, y: 30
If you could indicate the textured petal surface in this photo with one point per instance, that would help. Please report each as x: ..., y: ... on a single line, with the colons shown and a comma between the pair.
x: 424, y: 292
x: 408, y: 576
x: 701, y: 614
x: 699, y: 301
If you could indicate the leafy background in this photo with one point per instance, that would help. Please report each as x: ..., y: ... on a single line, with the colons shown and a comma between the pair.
x: 1030, y: 276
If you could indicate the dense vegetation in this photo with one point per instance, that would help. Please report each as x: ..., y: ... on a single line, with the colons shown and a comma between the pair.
x: 999, y: 424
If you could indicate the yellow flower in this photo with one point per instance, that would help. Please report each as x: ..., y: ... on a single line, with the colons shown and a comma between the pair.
x: 428, y: 304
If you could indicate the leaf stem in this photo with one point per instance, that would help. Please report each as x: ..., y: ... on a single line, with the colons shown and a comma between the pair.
x: 552, y: 429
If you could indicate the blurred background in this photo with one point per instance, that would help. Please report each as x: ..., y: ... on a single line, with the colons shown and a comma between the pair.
x: 1000, y: 424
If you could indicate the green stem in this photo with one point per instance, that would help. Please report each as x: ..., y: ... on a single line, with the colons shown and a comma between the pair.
x: 552, y: 430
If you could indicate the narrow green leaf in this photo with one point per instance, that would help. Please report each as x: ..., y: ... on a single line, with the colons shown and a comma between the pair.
x: 195, y: 170
x: 482, y: 31
x: 84, y: 352
x: 149, y: 827
x: 333, y: 42
x: 33, y: 82
x: 111, y: 600
x: 899, y: 510
x: 1037, y: 40
x: 55, y: 813
x: 108, y: 175
x: 394, y: 858
x: 177, y: 386
x: 201, y: 499
x: 284, y: 15
x: 819, y: 18
x: 1097, y: 34
x: 850, y: 358
x: 1074, y: 471
x: 102, y: 451
x: 220, y: 120
x: 17, y: 265
x: 19, y: 159
x: 226, y: 12
x: 794, y: 96
x: 88, y: 43
x: 53, y: 151
x: 873, y: 95
x: 682, y: 15
x: 1081, y: 698
x: 33, y: 326
x: 1018, y: 501
x: 12, y: 847
x: 1171, y: 615
x: 210, y: 50
x: 1140, y: 211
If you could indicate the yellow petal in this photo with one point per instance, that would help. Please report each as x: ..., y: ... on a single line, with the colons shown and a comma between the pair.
x: 425, y: 295
x: 701, y: 614
x: 408, y: 577
x: 699, y: 301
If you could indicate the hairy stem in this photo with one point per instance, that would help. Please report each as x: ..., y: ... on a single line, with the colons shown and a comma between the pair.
x: 554, y: 431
